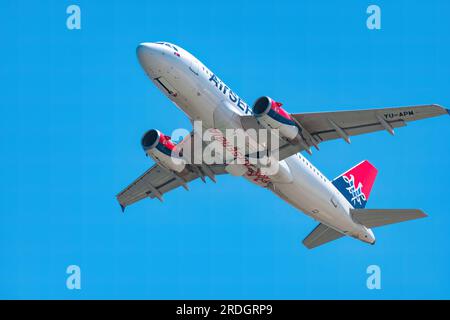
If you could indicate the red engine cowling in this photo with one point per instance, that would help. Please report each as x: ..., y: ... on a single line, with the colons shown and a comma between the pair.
x: 162, y: 150
x: 271, y: 115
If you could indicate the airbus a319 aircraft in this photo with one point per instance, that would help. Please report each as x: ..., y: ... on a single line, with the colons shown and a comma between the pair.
x: 338, y: 205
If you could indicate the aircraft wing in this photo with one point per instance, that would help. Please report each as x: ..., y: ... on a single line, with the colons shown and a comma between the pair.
x: 318, y: 127
x: 158, y: 180
x: 323, y: 126
x: 321, y: 235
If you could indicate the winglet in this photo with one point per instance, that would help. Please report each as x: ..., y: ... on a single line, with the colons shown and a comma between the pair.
x: 448, y: 111
x: 122, y: 207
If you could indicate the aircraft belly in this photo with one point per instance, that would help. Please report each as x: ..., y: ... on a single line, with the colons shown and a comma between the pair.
x: 192, y: 98
x: 310, y: 194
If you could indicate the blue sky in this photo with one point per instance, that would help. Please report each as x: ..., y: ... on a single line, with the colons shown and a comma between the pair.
x: 76, y: 103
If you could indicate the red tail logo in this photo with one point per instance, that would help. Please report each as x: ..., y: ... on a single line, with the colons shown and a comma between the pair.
x: 356, y: 183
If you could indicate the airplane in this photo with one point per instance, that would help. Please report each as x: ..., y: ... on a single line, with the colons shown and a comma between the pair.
x: 338, y: 205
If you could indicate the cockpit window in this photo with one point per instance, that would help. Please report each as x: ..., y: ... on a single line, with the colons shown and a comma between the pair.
x: 168, y: 45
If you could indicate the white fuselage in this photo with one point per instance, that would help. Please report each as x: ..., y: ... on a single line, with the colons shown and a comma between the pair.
x: 201, y: 95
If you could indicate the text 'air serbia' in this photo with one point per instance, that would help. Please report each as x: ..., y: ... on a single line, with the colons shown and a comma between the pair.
x: 231, y: 137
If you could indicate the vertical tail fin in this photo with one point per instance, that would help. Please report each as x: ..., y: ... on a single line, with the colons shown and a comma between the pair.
x: 356, y: 184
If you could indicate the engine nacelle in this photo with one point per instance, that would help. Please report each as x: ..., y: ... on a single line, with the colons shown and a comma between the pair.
x: 271, y: 115
x: 161, y: 149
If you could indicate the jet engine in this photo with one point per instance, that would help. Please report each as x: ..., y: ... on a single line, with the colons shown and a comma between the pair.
x: 161, y: 149
x: 271, y: 115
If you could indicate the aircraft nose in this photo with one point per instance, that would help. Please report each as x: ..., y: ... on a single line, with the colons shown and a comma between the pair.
x: 153, y: 58
x: 147, y: 52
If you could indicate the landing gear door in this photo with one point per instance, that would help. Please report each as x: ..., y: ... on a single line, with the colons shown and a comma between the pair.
x: 166, y: 86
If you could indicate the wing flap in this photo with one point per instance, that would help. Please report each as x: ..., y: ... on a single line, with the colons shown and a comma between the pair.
x: 372, y: 218
x: 331, y: 134
x: 321, y: 235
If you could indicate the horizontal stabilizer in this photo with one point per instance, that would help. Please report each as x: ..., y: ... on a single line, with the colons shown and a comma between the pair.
x: 372, y: 218
x: 321, y: 235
